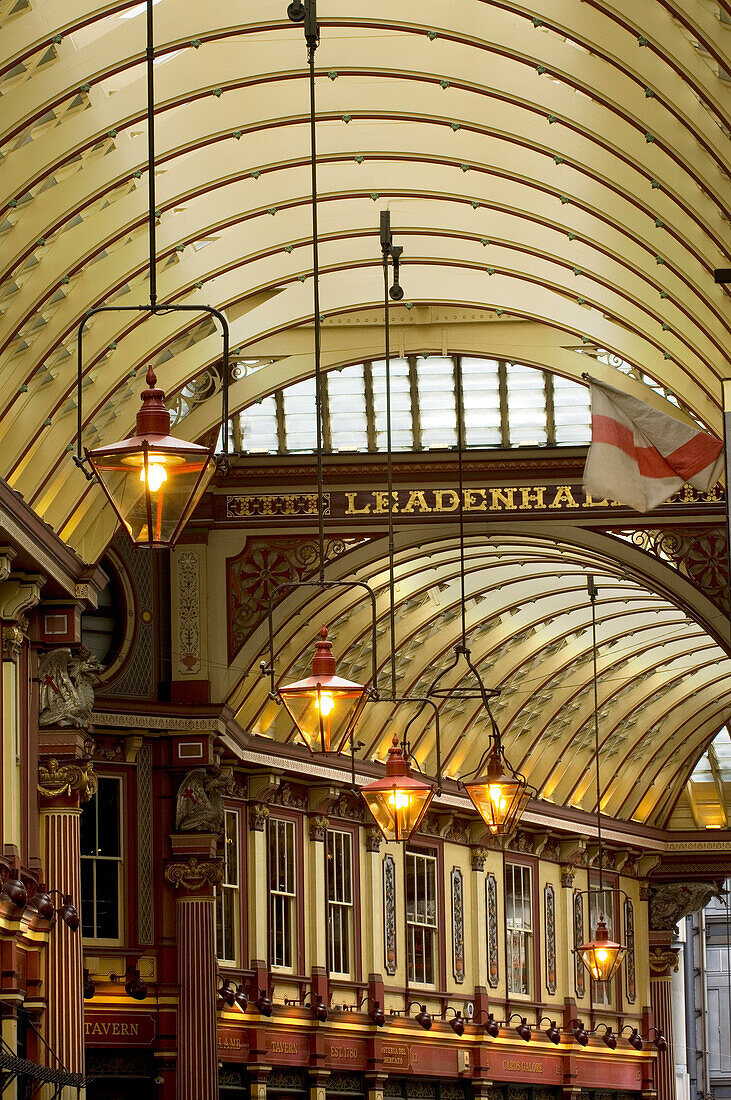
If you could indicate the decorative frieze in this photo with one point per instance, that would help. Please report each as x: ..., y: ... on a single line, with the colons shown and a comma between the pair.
x: 291, y: 795
x: 630, y: 964
x: 458, y: 926
x: 549, y: 907
x: 579, y: 970
x: 493, y: 963
x: 187, y: 563
x: 389, y: 914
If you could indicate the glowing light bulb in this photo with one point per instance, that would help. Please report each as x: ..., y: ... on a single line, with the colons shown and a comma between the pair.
x: 602, y: 955
x: 399, y: 800
x: 154, y: 474
x: 498, y: 798
x: 324, y: 703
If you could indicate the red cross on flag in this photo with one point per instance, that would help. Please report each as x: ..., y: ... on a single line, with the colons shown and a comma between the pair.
x: 640, y: 456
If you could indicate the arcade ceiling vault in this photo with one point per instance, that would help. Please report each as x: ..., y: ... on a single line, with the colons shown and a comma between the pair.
x: 557, y: 174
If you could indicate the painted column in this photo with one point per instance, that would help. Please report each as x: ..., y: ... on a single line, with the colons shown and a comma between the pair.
x: 372, y: 914
x: 62, y: 786
x: 195, y: 880
x: 318, y: 906
x: 663, y: 963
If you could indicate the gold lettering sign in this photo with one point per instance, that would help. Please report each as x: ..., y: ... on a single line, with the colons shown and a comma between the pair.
x: 344, y: 1054
x: 284, y: 1048
x: 415, y: 503
x: 396, y: 1055
x: 522, y: 1065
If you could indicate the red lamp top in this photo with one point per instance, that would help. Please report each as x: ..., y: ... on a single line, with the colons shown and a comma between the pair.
x: 153, y: 428
x: 323, y: 661
x: 324, y: 674
x: 398, y: 774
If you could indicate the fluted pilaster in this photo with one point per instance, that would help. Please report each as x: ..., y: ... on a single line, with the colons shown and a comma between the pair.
x: 197, y: 1077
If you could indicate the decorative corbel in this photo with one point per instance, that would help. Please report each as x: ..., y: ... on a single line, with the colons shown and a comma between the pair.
x: 262, y: 787
x: 20, y: 593
x: 572, y: 851
x: 7, y: 556
x: 646, y: 864
x: 132, y: 746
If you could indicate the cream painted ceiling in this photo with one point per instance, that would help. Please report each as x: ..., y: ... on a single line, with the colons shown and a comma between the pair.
x: 664, y: 684
x: 563, y: 162
x: 558, y: 175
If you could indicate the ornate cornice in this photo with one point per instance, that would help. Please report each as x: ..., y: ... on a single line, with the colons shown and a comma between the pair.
x: 193, y: 874
x: 55, y: 780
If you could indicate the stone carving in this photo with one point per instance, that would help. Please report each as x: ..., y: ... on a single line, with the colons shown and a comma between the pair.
x: 479, y: 855
x: 67, y: 691
x: 258, y: 817
x: 199, y: 806
x: 672, y: 901
x: 373, y: 840
x: 348, y: 807
x: 318, y: 827
x: 291, y: 795
x: 568, y: 874
x: 194, y: 873
x: 189, y: 632
x: 13, y: 638
x: 56, y: 779
x: 457, y: 925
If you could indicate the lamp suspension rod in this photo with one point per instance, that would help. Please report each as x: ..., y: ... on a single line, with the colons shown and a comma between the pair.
x: 460, y: 446
x: 386, y: 244
x: 152, y: 230
x: 592, y: 596
x: 312, y: 36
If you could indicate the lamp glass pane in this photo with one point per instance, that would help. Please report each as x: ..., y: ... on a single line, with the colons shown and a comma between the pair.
x: 499, y: 804
x: 398, y: 810
x: 324, y: 716
x: 153, y: 508
x: 602, y: 959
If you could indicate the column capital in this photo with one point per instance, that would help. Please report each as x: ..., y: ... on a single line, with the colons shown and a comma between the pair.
x: 373, y: 840
x: 479, y: 855
x: 258, y: 817
x: 663, y: 961
x: 318, y: 827
x: 62, y: 780
x: 194, y: 874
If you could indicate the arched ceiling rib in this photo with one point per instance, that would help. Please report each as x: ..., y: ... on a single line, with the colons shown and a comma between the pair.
x: 663, y: 683
x: 459, y: 128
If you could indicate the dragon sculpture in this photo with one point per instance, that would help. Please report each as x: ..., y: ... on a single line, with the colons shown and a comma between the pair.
x: 67, y: 691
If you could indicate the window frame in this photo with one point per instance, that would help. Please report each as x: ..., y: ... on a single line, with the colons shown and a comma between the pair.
x: 297, y: 897
x: 353, y: 970
x: 122, y: 862
x: 610, y: 885
x: 239, y: 930
x: 439, y: 976
x: 533, y: 956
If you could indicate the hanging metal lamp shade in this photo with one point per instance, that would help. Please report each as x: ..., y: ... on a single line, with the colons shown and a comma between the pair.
x: 499, y: 795
x: 324, y: 707
x: 602, y: 957
x: 399, y: 801
x: 152, y: 479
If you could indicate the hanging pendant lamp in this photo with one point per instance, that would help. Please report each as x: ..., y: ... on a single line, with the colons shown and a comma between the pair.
x: 601, y: 956
x: 324, y: 706
x: 399, y: 801
x: 499, y: 795
x: 153, y: 480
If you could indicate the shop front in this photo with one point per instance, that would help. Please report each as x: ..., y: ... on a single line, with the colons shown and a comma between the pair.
x: 120, y: 1063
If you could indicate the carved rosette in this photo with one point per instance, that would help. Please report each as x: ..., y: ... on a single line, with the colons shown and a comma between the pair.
x: 13, y: 638
x: 663, y: 961
x: 193, y: 874
x: 56, y: 780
